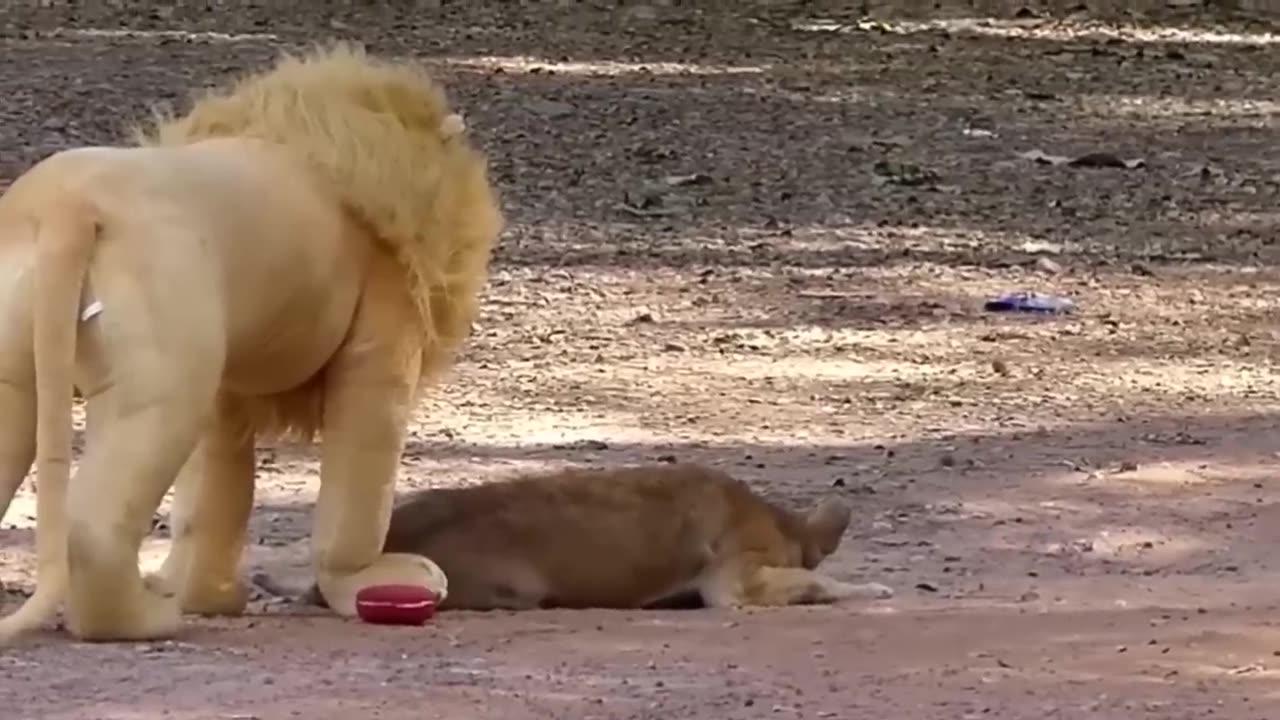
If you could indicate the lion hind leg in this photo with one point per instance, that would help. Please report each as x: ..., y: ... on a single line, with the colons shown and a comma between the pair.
x: 17, y: 452
x: 50, y: 537
x: 130, y: 464
x: 146, y: 416
x: 18, y: 444
x: 212, y: 501
x: 171, y: 576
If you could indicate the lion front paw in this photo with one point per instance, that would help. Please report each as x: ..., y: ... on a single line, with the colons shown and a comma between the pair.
x: 339, y: 591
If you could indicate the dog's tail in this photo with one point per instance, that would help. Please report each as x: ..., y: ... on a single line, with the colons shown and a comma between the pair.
x: 64, y: 243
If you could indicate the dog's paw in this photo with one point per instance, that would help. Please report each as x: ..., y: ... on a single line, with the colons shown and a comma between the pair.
x: 877, y: 591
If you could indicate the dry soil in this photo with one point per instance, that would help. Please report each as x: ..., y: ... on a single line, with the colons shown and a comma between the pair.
x: 763, y: 239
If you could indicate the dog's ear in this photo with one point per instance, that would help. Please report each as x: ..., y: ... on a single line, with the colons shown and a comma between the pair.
x: 827, y: 522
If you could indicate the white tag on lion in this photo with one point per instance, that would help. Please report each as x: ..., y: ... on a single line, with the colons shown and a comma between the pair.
x: 93, y: 309
x: 452, y: 125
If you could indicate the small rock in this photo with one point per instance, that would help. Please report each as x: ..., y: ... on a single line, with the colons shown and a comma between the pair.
x: 1044, y: 264
x: 551, y: 108
x: 1105, y: 160
x: 682, y: 180
x: 582, y: 445
x: 642, y: 12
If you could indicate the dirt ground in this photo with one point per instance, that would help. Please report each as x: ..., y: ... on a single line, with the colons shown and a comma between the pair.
x: 763, y: 241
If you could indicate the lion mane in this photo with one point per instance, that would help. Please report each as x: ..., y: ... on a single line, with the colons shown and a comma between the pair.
x: 380, y: 134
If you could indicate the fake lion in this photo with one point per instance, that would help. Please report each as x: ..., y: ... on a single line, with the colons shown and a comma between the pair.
x: 299, y: 253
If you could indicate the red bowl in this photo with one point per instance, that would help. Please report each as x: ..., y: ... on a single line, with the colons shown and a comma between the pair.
x: 396, y: 604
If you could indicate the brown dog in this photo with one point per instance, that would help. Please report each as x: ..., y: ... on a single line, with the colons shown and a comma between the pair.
x: 653, y: 536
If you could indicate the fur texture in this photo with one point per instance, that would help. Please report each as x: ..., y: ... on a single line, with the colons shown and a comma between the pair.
x: 652, y: 536
x: 300, y: 252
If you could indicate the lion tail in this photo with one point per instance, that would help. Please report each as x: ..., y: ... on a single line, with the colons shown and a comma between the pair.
x: 64, y: 244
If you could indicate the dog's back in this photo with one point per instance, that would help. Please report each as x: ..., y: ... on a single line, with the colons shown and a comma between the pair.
x: 577, y: 538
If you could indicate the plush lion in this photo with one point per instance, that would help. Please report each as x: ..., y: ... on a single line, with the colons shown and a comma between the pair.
x: 301, y: 252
